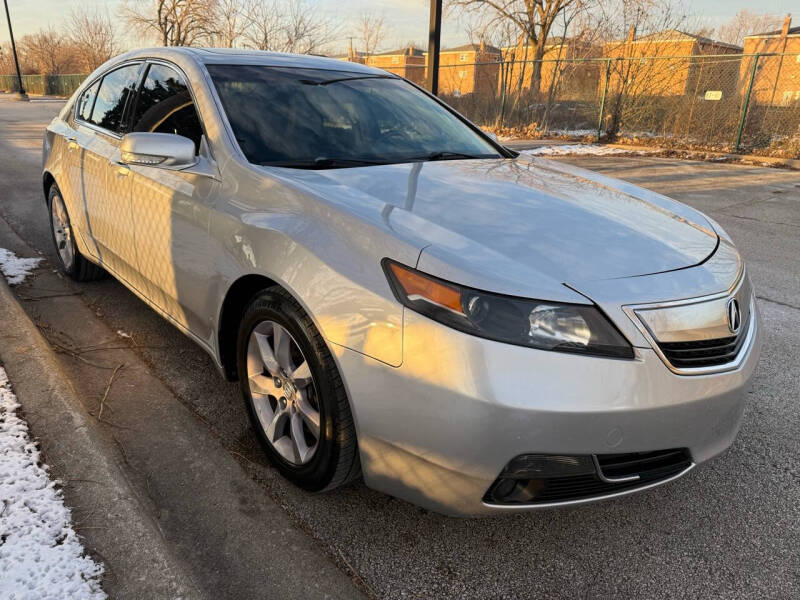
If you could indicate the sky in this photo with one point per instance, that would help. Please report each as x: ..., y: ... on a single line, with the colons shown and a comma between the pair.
x: 406, y: 20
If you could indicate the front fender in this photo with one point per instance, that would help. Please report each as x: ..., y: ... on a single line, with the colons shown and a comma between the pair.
x: 330, y: 262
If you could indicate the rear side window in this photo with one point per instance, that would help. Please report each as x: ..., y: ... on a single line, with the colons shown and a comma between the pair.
x: 165, y: 105
x: 115, y: 90
x: 86, y: 103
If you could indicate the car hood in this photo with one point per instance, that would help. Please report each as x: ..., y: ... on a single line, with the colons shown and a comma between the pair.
x: 541, y: 216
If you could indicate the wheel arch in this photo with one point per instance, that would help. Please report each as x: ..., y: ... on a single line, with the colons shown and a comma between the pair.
x: 237, y: 298
x: 48, y: 180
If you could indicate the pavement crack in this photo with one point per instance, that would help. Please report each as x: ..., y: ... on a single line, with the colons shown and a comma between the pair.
x: 761, y: 221
x: 749, y: 202
x: 147, y: 487
x: 778, y: 302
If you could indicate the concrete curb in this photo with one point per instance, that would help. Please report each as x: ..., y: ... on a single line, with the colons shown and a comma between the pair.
x: 116, y: 526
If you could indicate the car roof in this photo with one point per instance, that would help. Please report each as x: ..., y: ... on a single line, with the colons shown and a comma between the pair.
x: 240, y: 56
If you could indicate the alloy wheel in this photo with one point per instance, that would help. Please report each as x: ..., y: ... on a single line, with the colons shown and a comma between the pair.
x: 62, y: 231
x: 283, y: 392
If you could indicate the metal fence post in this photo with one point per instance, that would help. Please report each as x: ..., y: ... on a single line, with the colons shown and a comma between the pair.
x: 503, y: 75
x: 746, y: 103
x: 603, y: 100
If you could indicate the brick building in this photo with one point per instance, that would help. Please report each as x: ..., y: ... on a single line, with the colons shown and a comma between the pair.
x: 574, y: 79
x: 406, y: 62
x: 674, y: 63
x: 472, y: 68
x: 777, y: 78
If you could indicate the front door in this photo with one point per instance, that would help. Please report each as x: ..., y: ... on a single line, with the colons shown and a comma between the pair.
x: 171, y: 209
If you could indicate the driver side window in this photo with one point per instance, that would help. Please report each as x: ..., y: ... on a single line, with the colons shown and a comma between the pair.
x: 164, y: 105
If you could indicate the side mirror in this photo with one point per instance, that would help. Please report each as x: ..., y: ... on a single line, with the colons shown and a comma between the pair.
x: 493, y: 136
x: 163, y: 150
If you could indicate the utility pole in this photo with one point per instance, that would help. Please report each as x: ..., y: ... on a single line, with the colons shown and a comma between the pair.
x: 21, y: 95
x: 434, y: 39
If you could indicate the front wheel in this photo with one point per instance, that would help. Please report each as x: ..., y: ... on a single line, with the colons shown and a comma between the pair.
x: 295, y: 395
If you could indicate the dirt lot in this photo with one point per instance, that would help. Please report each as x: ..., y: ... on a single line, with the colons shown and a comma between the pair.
x: 730, y: 529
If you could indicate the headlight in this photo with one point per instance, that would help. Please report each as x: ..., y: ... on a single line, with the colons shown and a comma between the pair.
x: 577, y: 328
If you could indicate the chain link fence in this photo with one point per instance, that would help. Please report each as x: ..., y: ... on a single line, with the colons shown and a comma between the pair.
x: 43, y: 85
x: 727, y: 103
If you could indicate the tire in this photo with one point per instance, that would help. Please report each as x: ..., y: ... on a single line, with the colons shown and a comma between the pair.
x: 283, y: 391
x: 71, y: 261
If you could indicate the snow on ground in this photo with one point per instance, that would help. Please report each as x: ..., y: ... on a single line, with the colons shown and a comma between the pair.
x: 573, y: 132
x: 14, y: 268
x: 41, y: 556
x: 572, y: 149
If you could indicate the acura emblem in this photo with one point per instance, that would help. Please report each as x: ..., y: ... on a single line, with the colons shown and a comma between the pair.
x: 734, y: 316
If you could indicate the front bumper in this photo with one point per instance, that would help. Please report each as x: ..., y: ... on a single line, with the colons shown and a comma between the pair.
x: 438, y: 430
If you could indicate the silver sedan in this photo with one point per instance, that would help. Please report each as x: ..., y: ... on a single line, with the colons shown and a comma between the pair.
x: 399, y: 296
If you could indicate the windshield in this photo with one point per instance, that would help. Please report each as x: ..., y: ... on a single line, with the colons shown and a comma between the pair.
x: 313, y: 118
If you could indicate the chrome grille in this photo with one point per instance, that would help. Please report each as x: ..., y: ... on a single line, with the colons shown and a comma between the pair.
x: 695, y: 336
x: 705, y: 353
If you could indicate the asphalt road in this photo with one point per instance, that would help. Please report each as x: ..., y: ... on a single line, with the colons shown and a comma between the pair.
x: 730, y: 529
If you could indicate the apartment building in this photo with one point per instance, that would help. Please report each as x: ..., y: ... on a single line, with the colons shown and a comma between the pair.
x: 468, y: 69
x: 777, y: 77
x: 406, y: 62
x: 562, y: 67
x: 674, y: 63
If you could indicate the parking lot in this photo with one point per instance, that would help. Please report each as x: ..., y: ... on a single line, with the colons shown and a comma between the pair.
x: 730, y: 529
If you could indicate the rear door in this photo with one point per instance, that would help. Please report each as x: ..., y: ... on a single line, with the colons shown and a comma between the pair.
x: 104, y: 183
x: 171, y: 208
x: 75, y: 141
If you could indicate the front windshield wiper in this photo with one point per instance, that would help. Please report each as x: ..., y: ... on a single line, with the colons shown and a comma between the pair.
x: 324, y: 162
x: 442, y: 155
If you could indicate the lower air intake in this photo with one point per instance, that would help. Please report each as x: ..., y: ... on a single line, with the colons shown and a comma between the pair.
x: 547, y: 479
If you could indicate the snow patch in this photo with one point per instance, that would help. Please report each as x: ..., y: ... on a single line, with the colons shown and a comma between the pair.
x: 572, y: 132
x: 14, y: 268
x: 40, y: 553
x: 573, y: 149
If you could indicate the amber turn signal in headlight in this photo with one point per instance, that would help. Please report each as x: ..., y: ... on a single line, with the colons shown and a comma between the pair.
x: 575, y: 328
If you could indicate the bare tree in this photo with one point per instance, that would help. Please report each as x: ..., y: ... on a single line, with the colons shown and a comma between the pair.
x: 534, y: 20
x: 173, y: 22
x: 265, y: 26
x: 232, y: 19
x: 641, y: 76
x: 746, y: 23
x: 371, y: 31
x: 6, y: 59
x: 48, y: 52
x: 93, y: 36
x: 305, y: 30
x: 288, y: 26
